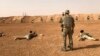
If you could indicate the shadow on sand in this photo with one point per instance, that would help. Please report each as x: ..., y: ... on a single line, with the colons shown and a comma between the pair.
x: 88, y: 46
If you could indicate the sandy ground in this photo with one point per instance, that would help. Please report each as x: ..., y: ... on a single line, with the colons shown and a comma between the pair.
x: 51, y: 43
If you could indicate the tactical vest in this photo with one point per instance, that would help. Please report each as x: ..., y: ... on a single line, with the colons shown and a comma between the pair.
x: 68, y: 21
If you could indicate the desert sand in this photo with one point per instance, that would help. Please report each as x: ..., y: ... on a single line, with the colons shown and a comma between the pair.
x: 50, y: 42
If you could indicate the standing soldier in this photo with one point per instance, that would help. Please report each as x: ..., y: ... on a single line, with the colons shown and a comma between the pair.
x: 41, y: 19
x: 68, y: 29
x: 61, y: 18
x: 99, y: 17
x: 61, y: 21
x: 51, y: 19
x: 88, y: 17
x: 76, y: 18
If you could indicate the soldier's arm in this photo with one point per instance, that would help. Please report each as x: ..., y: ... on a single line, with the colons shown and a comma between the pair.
x: 61, y: 20
x: 73, y: 23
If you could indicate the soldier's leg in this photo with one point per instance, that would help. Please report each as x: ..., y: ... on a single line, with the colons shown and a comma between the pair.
x: 64, y: 37
x: 89, y: 38
x: 70, y: 40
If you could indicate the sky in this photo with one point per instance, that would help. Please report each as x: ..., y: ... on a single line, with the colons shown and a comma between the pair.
x: 47, y: 7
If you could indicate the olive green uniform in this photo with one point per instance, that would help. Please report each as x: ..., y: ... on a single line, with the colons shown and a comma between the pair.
x: 68, y: 29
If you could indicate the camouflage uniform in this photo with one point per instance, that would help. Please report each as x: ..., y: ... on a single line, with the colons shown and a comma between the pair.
x: 61, y: 21
x: 68, y: 29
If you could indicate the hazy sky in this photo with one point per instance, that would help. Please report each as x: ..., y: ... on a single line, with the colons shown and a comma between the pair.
x: 47, y: 7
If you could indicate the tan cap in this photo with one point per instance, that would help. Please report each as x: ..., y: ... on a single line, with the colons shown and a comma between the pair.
x: 67, y: 11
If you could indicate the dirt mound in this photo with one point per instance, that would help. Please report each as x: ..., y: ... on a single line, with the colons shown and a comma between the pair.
x: 50, y: 18
x: 16, y: 19
x: 11, y: 19
x: 87, y: 16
